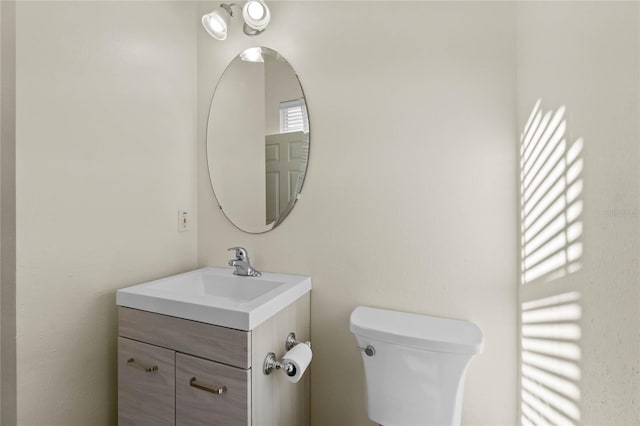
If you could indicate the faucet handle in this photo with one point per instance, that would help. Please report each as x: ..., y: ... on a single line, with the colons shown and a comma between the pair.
x: 241, y: 253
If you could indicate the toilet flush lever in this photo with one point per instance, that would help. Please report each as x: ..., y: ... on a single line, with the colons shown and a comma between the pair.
x: 368, y: 351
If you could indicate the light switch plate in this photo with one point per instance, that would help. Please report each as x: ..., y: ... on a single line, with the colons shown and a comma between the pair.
x: 184, y: 221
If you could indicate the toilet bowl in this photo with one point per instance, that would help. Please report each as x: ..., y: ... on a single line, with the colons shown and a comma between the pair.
x: 414, y: 365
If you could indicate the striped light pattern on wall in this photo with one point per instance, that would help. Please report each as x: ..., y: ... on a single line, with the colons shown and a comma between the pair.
x: 551, y: 207
x: 550, y: 355
x: 550, y: 190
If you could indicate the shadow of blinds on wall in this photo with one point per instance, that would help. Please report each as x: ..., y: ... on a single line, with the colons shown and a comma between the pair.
x: 550, y: 189
x: 551, y: 249
x: 550, y: 353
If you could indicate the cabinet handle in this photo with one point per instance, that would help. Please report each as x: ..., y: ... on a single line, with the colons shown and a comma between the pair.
x: 132, y: 363
x: 220, y: 390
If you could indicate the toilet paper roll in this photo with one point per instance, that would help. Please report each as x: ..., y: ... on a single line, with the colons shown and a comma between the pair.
x: 300, y: 357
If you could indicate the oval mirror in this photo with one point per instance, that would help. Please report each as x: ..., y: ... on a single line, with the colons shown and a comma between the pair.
x: 258, y: 140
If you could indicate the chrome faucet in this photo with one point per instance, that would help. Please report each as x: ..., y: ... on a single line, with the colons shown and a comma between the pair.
x: 242, y: 264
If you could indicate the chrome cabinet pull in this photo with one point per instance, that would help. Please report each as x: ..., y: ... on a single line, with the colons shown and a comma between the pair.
x: 132, y: 363
x: 218, y: 391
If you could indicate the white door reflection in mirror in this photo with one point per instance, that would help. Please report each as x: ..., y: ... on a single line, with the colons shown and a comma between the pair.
x: 286, y: 156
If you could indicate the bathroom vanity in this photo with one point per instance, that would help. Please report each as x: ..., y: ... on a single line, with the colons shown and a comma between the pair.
x: 191, y: 349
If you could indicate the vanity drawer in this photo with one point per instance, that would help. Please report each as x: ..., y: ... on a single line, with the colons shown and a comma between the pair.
x: 198, y: 397
x: 222, y: 344
x: 146, y: 384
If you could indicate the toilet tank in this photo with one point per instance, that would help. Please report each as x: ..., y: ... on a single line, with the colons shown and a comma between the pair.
x: 416, y: 375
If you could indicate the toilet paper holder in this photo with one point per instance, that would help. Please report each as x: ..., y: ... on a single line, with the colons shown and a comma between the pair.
x: 271, y: 363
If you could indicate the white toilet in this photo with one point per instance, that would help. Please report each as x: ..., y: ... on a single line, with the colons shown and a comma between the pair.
x: 414, y: 365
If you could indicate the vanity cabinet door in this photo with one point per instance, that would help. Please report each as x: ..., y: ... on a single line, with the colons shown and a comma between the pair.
x: 146, y: 384
x: 210, y: 393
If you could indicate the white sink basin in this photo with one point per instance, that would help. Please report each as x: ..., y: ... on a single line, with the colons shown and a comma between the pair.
x: 216, y: 296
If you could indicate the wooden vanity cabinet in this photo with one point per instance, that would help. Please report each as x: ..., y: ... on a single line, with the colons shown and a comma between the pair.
x: 171, y: 371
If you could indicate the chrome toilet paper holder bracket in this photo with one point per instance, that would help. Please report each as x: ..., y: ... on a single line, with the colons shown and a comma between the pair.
x: 271, y: 363
x: 291, y: 341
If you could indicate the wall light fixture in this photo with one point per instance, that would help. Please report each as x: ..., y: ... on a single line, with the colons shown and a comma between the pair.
x: 255, y: 13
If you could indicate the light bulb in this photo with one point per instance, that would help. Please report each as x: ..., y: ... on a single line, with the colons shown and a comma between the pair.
x: 215, y: 25
x: 217, y: 22
x: 256, y: 16
x: 255, y: 10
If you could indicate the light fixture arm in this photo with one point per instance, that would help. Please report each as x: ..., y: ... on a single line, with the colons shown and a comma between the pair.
x: 227, y: 7
x: 250, y: 31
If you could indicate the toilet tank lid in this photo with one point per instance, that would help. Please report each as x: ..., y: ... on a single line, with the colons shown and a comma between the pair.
x: 417, y: 331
